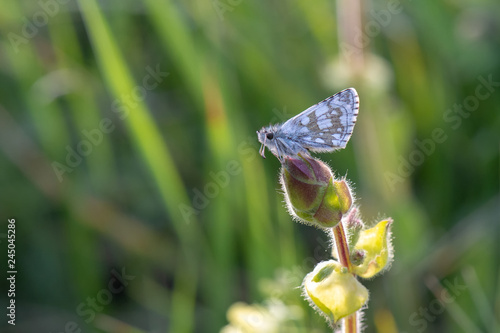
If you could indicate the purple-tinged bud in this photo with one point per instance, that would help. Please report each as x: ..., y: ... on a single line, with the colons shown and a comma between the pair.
x: 353, y: 225
x: 312, y: 194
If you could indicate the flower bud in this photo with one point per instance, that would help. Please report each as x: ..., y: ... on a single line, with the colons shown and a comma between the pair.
x: 312, y: 194
x: 357, y: 257
x: 334, y: 291
x: 375, y: 243
x: 353, y: 225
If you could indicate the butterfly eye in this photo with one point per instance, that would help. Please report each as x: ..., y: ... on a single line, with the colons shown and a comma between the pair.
x: 269, y: 136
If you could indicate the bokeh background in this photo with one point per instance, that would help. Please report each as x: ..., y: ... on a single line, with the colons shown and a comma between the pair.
x: 129, y: 160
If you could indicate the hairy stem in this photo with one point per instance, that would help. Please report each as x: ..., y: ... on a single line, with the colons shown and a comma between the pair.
x: 342, y: 247
x: 350, y: 323
x: 345, y: 260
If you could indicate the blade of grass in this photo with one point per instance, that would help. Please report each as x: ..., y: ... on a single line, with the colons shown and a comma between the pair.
x: 148, y: 140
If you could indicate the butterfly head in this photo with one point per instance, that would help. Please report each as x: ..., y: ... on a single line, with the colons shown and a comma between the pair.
x: 267, y: 137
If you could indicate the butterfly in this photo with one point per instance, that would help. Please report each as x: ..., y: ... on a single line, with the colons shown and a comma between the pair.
x: 324, y: 127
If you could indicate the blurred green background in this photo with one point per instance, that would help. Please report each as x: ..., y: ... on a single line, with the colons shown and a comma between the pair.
x: 129, y: 160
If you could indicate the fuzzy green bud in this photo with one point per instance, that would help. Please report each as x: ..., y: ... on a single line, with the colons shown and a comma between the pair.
x: 312, y: 194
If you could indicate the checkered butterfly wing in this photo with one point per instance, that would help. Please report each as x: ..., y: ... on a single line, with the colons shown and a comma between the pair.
x: 326, y: 126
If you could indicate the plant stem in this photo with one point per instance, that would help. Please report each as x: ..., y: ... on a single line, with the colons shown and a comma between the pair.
x: 342, y: 247
x: 345, y: 260
x: 350, y: 323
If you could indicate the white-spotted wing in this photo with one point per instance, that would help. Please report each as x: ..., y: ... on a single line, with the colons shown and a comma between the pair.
x: 324, y: 127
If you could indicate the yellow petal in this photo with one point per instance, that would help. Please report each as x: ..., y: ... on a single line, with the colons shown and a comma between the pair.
x: 375, y: 243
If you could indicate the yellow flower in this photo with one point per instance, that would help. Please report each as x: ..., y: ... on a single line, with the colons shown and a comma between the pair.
x: 375, y: 243
x: 334, y: 291
x: 268, y: 317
